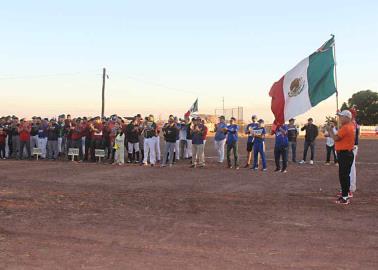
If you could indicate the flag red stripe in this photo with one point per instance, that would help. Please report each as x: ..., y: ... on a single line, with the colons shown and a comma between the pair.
x: 278, y: 101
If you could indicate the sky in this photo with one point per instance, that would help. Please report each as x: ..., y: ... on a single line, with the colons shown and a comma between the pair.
x: 161, y: 55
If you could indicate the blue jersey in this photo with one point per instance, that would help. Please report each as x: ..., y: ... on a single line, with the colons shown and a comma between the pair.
x: 219, y: 133
x: 248, y: 130
x: 281, y: 137
x: 259, y: 131
x: 232, y: 133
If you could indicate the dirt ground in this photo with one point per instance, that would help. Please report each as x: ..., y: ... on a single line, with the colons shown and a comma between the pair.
x: 65, y: 215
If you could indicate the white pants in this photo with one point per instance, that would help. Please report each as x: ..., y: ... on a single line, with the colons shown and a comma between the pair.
x: 189, y: 148
x: 133, y: 147
x: 219, y: 148
x: 353, y: 176
x: 60, y: 140
x: 198, y: 154
x: 42, y: 144
x: 177, y: 149
x: 150, y: 148
x: 157, y: 147
x: 119, y: 156
x: 33, y: 142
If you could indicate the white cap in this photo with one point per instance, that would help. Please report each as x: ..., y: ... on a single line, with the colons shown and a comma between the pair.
x: 345, y: 113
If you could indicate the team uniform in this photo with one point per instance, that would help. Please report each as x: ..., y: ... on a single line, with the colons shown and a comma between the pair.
x: 258, y: 147
x: 232, y: 144
x: 220, y: 140
x: 149, y: 134
x: 281, y: 148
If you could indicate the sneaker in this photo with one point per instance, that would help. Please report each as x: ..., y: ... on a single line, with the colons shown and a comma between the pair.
x: 350, y: 194
x: 237, y: 168
x: 302, y: 162
x: 277, y: 170
x: 264, y: 170
x: 163, y: 165
x: 229, y: 166
x: 246, y: 166
x: 193, y: 166
x: 255, y: 169
x: 311, y: 162
x: 341, y: 200
x: 284, y: 171
x: 327, y: 163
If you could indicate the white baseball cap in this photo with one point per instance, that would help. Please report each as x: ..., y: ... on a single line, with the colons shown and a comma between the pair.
x: 345, y: 113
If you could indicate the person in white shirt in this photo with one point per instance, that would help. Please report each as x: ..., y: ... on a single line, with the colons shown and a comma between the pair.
x: 330, y: 147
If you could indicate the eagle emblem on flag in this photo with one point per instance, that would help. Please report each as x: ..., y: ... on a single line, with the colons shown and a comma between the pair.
x: 296, y: 87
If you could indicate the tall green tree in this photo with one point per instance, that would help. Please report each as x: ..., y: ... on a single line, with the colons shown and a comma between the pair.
x: 366, y: 102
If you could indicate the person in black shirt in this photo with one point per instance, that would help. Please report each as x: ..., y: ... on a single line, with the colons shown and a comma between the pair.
x: 311, y: 134
x: 52, y: 140
x: 170, y: 132
x: 132, y: 137
x: 292, y: 134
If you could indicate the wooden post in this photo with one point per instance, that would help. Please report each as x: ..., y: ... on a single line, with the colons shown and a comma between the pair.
x: 103, y: 92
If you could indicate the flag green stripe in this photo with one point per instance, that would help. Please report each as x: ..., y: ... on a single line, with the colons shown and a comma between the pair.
x: 320, y: 76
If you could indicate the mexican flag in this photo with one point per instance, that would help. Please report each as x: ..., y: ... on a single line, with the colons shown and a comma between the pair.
x: 193, y: 108
x: 303, y: 87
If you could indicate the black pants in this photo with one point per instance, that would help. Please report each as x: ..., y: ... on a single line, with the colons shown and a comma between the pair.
x: 308, y: 144
x: 87, y: 147
x: 24, y: 144
x: 78, y: 144
x: 234, y: 147
x: 96, y: 144
x: 2, y: 150
x: 345, y: 163
x: 331, y: 149
x: 278, y: 152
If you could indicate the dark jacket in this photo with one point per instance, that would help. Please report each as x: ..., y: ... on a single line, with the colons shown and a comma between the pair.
x: 52, y: 132
x: 170, y: 133
x: 311, y: 132
x: 132, y: 133
x: 292, y: 133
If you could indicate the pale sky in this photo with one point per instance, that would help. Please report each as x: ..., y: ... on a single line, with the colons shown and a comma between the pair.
x: 162, y: 55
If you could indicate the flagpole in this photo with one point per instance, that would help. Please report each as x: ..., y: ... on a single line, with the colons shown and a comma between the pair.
x: 337, y: 89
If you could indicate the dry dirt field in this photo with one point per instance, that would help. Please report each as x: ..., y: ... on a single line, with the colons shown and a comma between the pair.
x: 64, y: 215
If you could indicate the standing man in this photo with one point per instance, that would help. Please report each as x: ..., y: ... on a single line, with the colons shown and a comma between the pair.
x: 34, y: 133
x: 183, y: 142
x: 258, y: 145
x: 170, y: 132
x: 61, y: 134
x: 197, y: 131
x: 132, y: 135
x: 77, y: 134
x: 353, y: 174
x: 344, y: 144
x: 14, y: 138
x: 281, y: 147
x: 52, y: 140
x: 42, y: 137
x: 149, y: 133
x: 24, y: 131
x: 96, y: 137
x: 250, y: 140
x: 292, y: 134
x: 311, y: 134
x: 220, y: 138
x: 232, y: 143
x: 189, y: 146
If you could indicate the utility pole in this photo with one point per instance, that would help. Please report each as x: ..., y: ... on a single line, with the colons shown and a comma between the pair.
x: 223, y: 104
x: 103, y: 92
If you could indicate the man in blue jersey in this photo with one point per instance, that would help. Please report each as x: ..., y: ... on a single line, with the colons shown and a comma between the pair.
x: 250, y: 140
x: 232, y: 143
x: 220, y: 138
x: 258, y: 145
x: 281, y: 147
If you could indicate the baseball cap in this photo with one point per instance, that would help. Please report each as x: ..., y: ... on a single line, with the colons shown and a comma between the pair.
x: 221, y: 117
x: 254, y: 116
x: 345, y: 113
x: 291, y: 119
x: 261, y: 121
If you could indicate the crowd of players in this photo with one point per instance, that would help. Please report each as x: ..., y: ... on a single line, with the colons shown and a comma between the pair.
x: 139, y: 139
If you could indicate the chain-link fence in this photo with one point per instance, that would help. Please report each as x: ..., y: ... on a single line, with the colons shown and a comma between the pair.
x: 231, y: 112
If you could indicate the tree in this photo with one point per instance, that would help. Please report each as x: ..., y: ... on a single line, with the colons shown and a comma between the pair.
x: 344, y: 106
x: 367, y: 107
